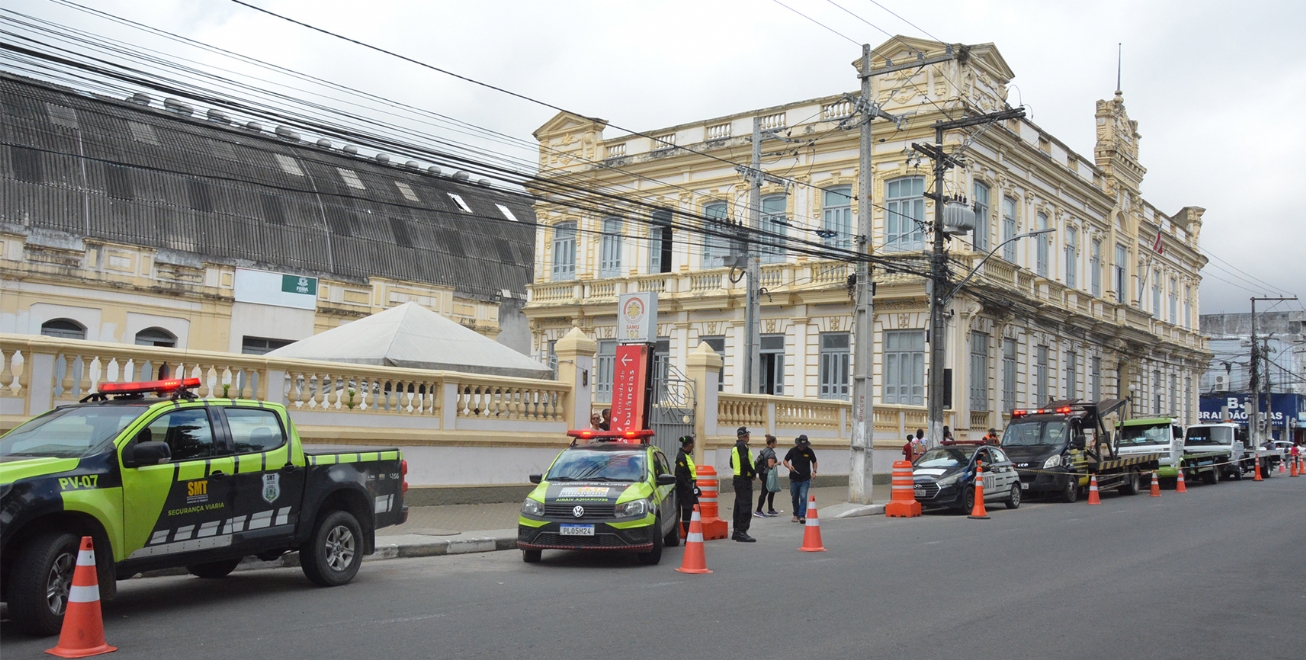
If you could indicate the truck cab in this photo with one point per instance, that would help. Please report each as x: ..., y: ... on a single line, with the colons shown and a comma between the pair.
x: 1227, y: 440
x: 1151, y: 435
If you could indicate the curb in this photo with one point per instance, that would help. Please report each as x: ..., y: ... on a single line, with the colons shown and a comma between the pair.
x: 858, y: 510
x: 402, y: 546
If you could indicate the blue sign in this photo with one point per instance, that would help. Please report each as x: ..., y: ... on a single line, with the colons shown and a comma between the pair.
x: 1237, y: 407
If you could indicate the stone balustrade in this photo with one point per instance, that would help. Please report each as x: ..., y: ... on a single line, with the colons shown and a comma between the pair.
x: 329, y: 401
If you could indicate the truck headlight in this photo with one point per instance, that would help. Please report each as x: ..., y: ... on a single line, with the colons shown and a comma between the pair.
x: 1053, y: 461
x: 532, y: 508
x: 632, y: 508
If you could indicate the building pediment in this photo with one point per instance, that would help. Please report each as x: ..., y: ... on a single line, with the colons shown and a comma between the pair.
x: 564, y: 122
x: 904, y: 50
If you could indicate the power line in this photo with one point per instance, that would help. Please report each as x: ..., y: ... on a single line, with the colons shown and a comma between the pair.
x: 850, y: 39
x: 906, y: 21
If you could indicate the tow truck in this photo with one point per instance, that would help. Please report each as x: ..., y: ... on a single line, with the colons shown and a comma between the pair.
x: 1059, y: 447
x: 1165, y: 435
x: 160, y: 478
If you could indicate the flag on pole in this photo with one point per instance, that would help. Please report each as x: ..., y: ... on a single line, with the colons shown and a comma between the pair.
x: 1157, y: 246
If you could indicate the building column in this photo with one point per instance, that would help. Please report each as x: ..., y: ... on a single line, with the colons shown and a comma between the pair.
x: 703, y: 367
x: 576, y: 368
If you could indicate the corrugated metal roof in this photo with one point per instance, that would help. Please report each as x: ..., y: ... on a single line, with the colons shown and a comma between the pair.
x: 117, y: 171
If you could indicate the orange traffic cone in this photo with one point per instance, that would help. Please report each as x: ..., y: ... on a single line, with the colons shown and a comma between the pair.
x: 1258, y: 471
x: 812, y: 530
x: 1294, y: 472
x: 1179, y: 486
x: 977, y: 512
x: 1093, y: 497
x: 83, y: 629
x: 1282, y: 467
x: 695, y: 558
x: 1156, y: 485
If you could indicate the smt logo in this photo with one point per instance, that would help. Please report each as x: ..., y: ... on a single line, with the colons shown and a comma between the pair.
x: 197, y: 491
x: 271, y: 487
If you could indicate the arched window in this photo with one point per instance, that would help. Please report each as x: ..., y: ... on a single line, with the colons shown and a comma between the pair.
x: 564, y: 251
x: 775, y: 221
x: 156, y: 337
x: 904, y: 214
x: 63, y: 329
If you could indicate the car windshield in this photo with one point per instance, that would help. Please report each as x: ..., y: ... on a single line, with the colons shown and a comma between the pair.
x: 590, y: 465
x: 1157, y: 434
x: 1209, y: 435
x: 71, y: 432
x: 945, y: 457
x: 1033, y: 434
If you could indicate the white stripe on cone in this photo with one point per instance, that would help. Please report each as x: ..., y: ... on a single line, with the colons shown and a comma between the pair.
x: 85, y: 558
x: 694, y: 537
x: 89, y: 594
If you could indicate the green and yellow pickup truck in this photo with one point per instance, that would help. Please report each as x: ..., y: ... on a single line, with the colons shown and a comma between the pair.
x: 160, y: 479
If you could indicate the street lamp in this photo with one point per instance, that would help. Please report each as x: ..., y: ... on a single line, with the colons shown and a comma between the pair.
x: 992, y: 252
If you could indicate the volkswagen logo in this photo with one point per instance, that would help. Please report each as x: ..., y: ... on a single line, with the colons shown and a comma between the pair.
x: 579, y: 512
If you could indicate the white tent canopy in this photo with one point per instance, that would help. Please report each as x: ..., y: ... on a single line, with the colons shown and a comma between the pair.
x: 415, y: 337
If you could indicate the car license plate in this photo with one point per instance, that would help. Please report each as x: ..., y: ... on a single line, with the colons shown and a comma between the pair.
x: 1024, y: 486
x: 919, y: 490
x: 577, y: 530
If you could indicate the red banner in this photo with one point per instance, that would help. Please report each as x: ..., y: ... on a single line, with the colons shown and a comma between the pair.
x: 631, y: 374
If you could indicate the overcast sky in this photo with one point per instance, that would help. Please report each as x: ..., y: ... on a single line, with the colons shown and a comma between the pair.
x: 1217, y: 87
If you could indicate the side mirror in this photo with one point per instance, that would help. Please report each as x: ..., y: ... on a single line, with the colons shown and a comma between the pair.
x: 666, y: 480
x: 145, y: 453
x: 536, y: 478
x: 1079, y: 442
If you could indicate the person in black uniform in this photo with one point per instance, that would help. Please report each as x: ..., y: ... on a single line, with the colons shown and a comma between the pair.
x: 686, y: 482
x: 741, y: 460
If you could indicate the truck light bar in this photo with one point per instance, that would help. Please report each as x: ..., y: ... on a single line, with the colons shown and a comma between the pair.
x: 1019, y: 413
x: 591, y: 434
x: 160, y: 386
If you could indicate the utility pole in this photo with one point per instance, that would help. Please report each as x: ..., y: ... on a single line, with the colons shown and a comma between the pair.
x: 860, y: 476
x: 939, y: 263
x: 1254, y: 424
x: 752, y: 270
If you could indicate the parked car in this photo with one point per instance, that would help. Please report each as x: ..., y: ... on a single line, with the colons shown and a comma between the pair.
x: 945, y: 477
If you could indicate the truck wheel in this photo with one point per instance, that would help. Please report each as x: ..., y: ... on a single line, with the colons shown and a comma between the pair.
x: 1013, y: 501
x: 1266, y: 470
x: 1211, y: 476
x: 1238, y: 472
x: 652, y: 557
x: 214, y: 569
x: 42, y: 576
x: 1132, y: 484
x: 531, y: 556
x: 334, y: 551
x: 1070, y: 494
x: 672, y: 539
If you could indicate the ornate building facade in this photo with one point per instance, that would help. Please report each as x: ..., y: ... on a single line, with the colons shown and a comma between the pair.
x: 1105, y: 306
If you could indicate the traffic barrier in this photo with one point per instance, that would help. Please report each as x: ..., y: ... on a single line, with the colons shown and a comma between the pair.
x: 1179, y: 486
x: 1156, y: 484
x: 714, y: 528
x: 695, y: 560
x: 1093, y: 497
x: 1258, y: 471
x: 83, y: 628
x: 977, y: 511
x: 812, y: 530
x: 903, y: 503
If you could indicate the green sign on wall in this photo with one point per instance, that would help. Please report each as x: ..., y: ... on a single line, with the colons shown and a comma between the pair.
x: 296, y: 284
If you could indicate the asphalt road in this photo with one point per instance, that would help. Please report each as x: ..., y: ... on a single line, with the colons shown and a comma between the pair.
x: 1214, y: 573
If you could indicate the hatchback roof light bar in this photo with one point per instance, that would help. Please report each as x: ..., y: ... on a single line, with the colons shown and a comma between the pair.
x: 160, y: 386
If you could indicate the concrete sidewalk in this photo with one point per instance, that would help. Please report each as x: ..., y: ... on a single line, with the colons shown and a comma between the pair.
x: 453, y: 529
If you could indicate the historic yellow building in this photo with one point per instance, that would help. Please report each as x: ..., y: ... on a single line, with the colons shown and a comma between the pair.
x: 1090, y: 311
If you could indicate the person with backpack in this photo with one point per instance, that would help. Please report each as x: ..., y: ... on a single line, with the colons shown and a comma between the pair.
x: 764, y: 466
x: 801, y: 463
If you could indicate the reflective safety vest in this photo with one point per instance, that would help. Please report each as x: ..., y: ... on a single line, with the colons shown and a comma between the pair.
x: 693, y: 471
x: 737, y: 463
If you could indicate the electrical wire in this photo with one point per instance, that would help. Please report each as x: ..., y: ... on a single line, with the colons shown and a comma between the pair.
x: 850, y: 39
